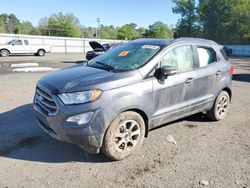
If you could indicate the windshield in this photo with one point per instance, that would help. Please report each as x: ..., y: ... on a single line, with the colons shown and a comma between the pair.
x: 128, y: 56
x: 12, y: 41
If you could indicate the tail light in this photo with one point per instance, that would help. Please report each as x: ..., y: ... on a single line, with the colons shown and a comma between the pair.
x: 231, y: 69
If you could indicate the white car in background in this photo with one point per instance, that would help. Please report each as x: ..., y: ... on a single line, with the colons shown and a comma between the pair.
x: 22, y: 46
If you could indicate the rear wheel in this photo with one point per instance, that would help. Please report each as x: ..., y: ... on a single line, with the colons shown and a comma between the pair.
x: 124, y: 135
x: 41, y: 52
x: 220, y: 107
x: 4, y: 53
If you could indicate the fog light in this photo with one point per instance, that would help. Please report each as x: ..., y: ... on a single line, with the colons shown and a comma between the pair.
x: 81, y: 118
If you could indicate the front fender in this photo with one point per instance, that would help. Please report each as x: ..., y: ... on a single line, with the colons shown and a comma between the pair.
x: 134, y: 97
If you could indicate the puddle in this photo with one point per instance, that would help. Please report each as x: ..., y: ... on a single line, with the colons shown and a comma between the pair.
x: 34, y: 69
x: 20, y: 65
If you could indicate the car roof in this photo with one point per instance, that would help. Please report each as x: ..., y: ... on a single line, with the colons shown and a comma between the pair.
x: 152, y: 41
x: 165, y: 42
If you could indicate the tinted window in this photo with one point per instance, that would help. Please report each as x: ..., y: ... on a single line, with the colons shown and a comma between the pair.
x: 180, y: 57
x: 18, y: 42
x: 26, y: 42
x: 206, y: 56
x: 128, y: 56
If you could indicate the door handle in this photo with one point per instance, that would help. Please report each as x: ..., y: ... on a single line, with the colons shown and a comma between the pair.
x: 218, y: 72
x: 189, y: 80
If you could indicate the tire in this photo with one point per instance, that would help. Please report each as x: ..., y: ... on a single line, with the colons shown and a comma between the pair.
x: 41, y: 52
x: 220, y: 107
x: 4, y: 53
x: 123, y: 136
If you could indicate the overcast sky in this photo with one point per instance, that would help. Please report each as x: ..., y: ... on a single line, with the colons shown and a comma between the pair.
x: 111, y: 12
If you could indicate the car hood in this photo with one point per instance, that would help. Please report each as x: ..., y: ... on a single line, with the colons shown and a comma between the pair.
x: 97, y: 47
x: 4, y: 46
x: 80, y: 78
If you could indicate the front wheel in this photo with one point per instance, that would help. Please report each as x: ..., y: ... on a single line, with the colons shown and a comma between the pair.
x: 220, y: 107
x: 4, y: 53
x: 124, y: 135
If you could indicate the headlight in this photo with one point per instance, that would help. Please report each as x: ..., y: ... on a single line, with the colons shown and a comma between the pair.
x: 80, y: 97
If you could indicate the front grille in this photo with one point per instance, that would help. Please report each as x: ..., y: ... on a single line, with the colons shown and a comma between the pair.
x: 45, y: 101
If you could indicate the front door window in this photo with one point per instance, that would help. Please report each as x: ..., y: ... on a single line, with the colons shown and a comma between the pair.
x: 180, y: 58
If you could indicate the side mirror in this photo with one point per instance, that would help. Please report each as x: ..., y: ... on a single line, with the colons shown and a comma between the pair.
x: 13, y: 44
x: 162, y: 73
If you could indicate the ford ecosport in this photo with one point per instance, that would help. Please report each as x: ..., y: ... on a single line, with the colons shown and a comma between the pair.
x: 111, y: 103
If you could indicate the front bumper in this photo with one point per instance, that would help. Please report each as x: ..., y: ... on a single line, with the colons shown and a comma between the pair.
x: 88, y: 136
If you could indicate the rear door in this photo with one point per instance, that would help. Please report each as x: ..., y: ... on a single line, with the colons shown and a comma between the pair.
x: 204, y: 77
x: 26, y: 47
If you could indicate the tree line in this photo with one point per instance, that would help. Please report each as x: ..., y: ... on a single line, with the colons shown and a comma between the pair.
x: 68, y: 25
x: 225, y: 21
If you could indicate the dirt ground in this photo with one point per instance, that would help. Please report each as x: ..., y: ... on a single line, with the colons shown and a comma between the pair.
x: 217, y: 153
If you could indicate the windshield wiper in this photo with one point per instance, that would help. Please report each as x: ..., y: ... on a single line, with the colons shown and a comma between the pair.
x: 107, y: 67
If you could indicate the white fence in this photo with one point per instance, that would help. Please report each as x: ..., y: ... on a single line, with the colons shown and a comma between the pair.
x: 81, y: 45
x: 239, y: 50
x: 58, y: 44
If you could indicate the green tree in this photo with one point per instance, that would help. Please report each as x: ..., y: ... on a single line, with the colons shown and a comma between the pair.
x: 215, y: 17
x: 60, y: 24
x: 11, y: 23
x: 34, y: 31
x: 43, y: 26
x: 240, y: 22
x: 87, y: 32
x: 188, y: 25
x: 108, y: 32
x: 159, y: 30
x: 142, y: 32
x: 2, y: 25
x: 225, y: 21
x: 127, y: 32
x: 26, y: 27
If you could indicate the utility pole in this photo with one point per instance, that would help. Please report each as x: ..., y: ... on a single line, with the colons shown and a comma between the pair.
x: 98, y: 23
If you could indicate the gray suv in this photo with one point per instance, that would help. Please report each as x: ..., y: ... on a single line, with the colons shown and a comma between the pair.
x: 113, y: 102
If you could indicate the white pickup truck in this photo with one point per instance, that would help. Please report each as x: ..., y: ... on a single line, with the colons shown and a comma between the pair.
x: 20, y: 46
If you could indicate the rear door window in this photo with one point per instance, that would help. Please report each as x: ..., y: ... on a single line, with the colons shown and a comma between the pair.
x: 206, y: 56
x: 26, y: 42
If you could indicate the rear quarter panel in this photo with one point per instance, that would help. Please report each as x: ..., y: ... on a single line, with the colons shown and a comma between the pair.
x: 224, y: 80
x: 35, y: 48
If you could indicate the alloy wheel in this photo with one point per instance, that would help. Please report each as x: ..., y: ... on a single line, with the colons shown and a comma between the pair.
x: 127, y: 136
x: 222, y: 106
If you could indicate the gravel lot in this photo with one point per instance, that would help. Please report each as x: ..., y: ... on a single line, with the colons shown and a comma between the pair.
x: 217, y: 153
